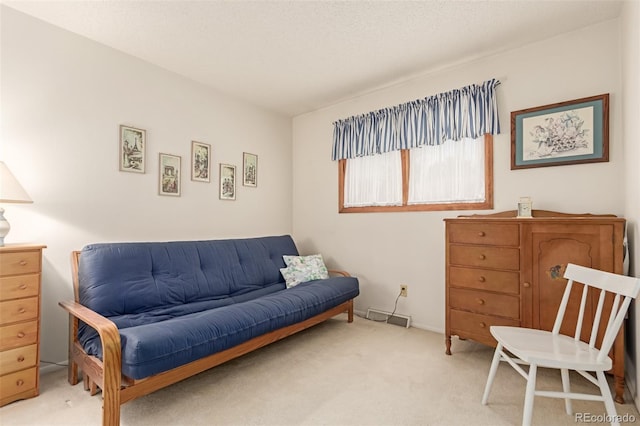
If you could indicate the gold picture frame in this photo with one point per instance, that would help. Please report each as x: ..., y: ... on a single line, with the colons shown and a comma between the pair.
x: 200, y: 162
x: 249, y: 169
x: 227, y: 182
x: 169, y: 175
x: 132, y: 146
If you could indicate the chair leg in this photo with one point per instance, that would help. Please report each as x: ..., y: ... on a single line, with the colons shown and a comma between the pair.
x: 492, y: 373
x: 608, y: 400
x: 566, y: 388
x: 529, y: 395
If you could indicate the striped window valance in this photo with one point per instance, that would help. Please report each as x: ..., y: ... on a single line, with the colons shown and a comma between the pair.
x: 468, y: 112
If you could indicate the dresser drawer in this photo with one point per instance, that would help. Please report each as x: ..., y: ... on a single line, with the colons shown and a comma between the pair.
x: 18, y: 310
x: 485, y: 257
x: 18, y: 382
x: 485, y: 303
x: 18, y: 359
x: 19, y: 286
x: 15, y: 335
x: 496, y: 234
x: 485, y: 279
x: 476, y: 326
x: 24, y: 262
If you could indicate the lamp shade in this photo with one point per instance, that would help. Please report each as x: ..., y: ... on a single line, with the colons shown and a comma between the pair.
x: 10, y: 189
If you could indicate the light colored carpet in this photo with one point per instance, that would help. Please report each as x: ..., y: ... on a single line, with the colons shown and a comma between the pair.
x: 365, y: 373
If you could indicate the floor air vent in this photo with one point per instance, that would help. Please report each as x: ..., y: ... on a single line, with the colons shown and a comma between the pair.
x: 382, y: 316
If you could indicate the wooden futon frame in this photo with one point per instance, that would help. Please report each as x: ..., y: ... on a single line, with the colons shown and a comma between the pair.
x: 117, y: 389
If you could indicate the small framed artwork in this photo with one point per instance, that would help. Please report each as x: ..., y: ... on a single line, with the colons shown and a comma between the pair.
x: 169, y: 175
x: 571, y: 132
x: 525, y: 207
x: 200, y: 161
x: 249, y: 169
x: 132, y: 149
x: 227, y: 182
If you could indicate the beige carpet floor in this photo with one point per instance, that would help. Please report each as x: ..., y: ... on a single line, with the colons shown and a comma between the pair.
x: 365, y: 373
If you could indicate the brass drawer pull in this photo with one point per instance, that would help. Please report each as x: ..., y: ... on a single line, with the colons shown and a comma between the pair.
x: 482, y: 279
x: 21, y: 335
x: 526, y: 285
x: 480, y: 301
x: 20, y: 382
x: 482, y: 325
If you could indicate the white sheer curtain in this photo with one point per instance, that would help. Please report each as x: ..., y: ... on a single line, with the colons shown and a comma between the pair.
x: 374, y: 180
x: 452, y: 172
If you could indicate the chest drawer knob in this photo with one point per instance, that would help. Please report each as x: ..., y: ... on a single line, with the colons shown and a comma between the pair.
x: 21, y: 335
x: 20, y: 383
x: 21, y: 358
x: 526, y: 285
x: 482, y: 325
x: 481, y: 234
x: 22, y: 310
x: 482, y: 257
x: 23, y: 286
x: 23, y: 262
x: 480, y: 301
x: 482, y: 279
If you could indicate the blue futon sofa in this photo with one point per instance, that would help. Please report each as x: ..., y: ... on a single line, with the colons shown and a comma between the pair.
x: 147, y: 315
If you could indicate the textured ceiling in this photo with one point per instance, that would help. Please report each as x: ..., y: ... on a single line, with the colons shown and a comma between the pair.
x: 297, y: 56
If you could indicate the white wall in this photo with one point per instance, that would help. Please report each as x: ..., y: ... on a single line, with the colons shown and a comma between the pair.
x: 631, y: 133
x: 63, y: 98
x: 387, y: 249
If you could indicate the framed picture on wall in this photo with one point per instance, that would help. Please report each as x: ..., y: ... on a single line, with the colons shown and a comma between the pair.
x: 169, y: 175
x: 249, y: 169
x: 227, y: 182
x: 132, y: 149
x: 571, y: 132
x: 200, y: 161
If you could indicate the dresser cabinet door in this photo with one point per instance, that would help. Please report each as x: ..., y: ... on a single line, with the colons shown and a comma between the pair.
x: 550, y: 248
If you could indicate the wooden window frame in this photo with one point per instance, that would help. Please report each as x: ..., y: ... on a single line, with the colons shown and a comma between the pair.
x: 406, y: 207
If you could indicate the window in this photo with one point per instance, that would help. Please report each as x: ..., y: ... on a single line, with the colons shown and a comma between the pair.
x: 434, y: 153
x: 374, y: 180
x: 456, y: 175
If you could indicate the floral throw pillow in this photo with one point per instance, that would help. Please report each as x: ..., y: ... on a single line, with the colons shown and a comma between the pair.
x: 301, y: 269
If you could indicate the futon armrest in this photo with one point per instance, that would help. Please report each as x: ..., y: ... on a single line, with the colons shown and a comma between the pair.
x: 343, y: 273
x: 96, y: 321
x: 109, y: 337
x: 108, y: 375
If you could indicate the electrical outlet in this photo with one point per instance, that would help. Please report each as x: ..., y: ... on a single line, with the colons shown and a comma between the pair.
x: 403, y: 290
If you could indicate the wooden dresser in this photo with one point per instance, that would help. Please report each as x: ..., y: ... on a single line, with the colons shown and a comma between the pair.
x: 20, y: 270
x: 504, y: 270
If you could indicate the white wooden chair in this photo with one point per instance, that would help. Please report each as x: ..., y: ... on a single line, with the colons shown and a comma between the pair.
x: 539, y: 348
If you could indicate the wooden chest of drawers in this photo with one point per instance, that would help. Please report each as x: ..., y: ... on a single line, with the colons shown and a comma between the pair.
x: 484, y: 280
x: 504, y: 270
x: 20, y: 270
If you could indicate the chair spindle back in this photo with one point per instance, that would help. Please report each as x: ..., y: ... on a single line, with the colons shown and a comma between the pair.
x: 624, y: 288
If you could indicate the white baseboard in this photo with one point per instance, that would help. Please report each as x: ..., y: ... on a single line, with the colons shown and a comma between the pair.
x: 427, y: 327
x: 50, y: 368
x: 630, y: 377
x: 363, y: 314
